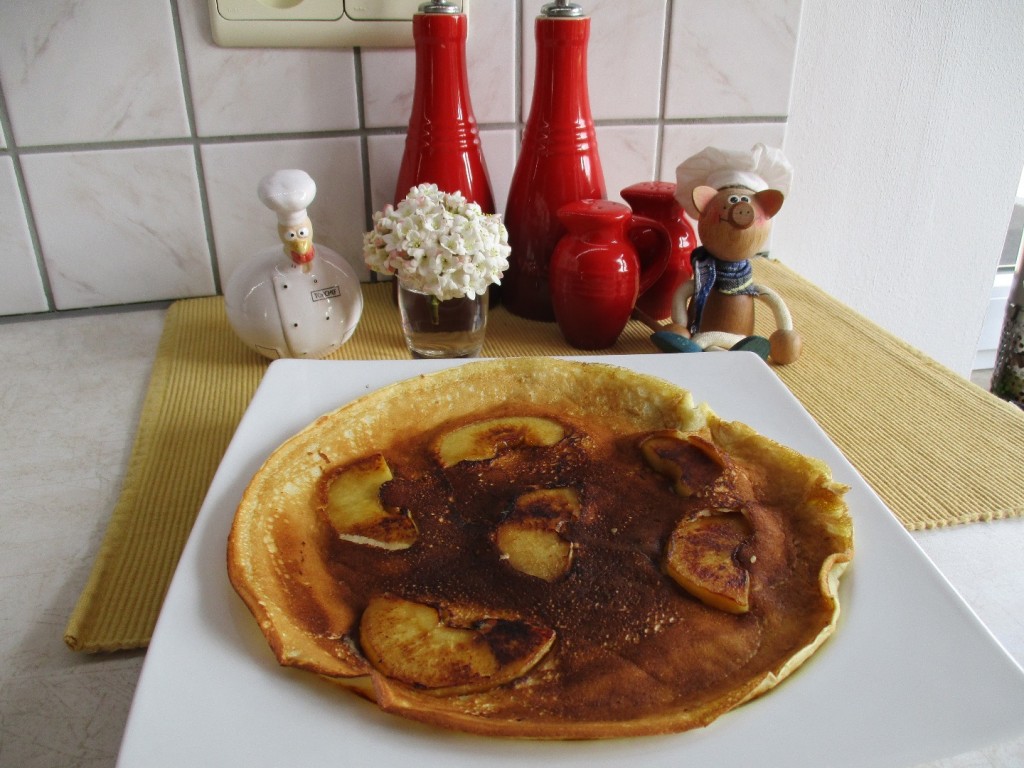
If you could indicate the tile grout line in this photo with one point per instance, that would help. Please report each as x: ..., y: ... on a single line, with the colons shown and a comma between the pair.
x: 517, y: 78
x: 197, y: 155
x: 392, y: 130
x: 12, y: 150
x: 364, y: 147
x: 659, y: 147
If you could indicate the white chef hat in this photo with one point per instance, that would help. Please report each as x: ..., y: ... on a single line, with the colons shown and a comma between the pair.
x: 288, y: 193
x: 759, y: 169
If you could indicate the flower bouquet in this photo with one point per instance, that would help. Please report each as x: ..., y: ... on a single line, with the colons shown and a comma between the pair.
x: 445, y: 252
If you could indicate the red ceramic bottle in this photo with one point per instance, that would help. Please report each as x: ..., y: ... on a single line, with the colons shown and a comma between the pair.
x: 558, y: 161
x: 442, y: 145
x: 595, y: 273
x: 657, y: 200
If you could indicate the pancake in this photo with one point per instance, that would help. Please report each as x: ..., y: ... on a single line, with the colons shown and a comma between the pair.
x: 540, y: 548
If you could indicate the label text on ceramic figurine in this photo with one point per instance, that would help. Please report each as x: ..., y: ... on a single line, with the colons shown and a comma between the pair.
x: 326, y: 293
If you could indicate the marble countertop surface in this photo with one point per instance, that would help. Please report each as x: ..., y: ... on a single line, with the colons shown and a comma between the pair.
x: 71, y: 390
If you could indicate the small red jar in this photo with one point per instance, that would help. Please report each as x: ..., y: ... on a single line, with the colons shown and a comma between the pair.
x: 657, y: 200
x: 595, y: 273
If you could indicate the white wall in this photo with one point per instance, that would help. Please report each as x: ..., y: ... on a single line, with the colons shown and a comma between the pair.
x: 906, y: 129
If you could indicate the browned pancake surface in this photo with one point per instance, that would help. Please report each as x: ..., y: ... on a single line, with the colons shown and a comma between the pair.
x: 633, y: 653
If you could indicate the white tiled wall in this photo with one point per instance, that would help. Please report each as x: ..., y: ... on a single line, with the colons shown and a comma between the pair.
x: 131, y: 145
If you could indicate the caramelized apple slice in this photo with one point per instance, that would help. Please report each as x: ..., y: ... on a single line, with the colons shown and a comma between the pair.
x: 530, y: 540
x: 485, y: 439
x: 701, y: 558
x: 411, y: 642
x: 349, y: 496
x: 691, y: 461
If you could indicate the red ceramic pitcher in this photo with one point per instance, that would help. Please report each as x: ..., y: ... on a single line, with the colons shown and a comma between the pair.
x: 442, y: 145
x: 558, y: 161
x: 657, y: 200
x: 595, y: 272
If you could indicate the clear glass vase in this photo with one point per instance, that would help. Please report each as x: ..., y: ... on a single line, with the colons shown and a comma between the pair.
x: 435, y: 328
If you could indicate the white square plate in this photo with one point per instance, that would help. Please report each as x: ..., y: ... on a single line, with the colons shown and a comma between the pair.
x: 911, y: 674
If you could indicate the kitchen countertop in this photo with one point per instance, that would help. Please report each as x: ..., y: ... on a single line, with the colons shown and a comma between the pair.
x: 71, y: 390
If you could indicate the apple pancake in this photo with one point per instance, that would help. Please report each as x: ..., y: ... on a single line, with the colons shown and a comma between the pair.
x: 544, y: 549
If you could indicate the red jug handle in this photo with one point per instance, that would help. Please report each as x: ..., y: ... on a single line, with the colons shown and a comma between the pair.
x: 653, y: 269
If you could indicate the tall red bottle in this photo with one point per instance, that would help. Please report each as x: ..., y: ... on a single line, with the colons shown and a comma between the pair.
x: 442, y: 145
x: 558, y: 161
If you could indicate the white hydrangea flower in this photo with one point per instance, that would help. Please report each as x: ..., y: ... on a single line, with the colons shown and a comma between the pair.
x: 438, y: 243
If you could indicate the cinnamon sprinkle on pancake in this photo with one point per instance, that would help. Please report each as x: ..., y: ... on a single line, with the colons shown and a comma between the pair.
x: 541, y: 548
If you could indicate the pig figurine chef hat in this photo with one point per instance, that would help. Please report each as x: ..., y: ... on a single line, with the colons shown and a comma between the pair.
x: 288, y: 194
x: 759, y: 169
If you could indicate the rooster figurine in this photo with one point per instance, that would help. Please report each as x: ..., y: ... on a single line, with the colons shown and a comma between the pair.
x: 304, y: 304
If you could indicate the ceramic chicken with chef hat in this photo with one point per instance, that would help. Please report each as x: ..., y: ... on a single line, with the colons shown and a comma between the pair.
x: 733, y: 196
x: 288, y: 194
x: 302, y: 304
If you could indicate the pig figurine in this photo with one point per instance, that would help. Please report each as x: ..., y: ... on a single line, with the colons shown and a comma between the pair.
x: 733, y: 196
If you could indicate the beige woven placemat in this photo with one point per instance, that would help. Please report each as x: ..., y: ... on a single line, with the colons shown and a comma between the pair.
x: 936, y: 448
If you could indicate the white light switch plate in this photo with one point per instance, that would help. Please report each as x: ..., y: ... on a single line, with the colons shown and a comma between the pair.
x: 314, y: 23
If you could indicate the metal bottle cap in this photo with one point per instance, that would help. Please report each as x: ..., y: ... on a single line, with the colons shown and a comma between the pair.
x: 440, y: 6
x: 562, y: 9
